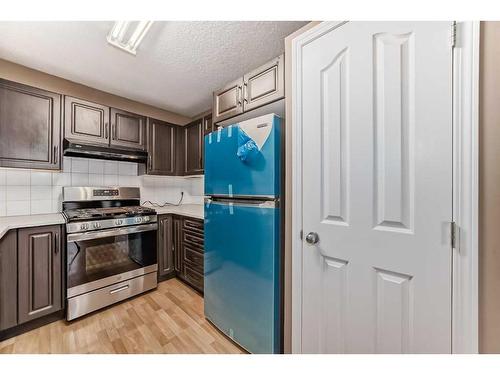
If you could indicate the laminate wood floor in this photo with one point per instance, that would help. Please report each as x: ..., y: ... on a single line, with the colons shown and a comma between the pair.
x: 169, y: 319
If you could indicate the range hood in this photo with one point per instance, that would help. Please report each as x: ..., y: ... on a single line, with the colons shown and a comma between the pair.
x: 83, y: 150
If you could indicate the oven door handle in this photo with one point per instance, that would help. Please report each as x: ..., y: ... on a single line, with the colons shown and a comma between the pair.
x: 74, y: 237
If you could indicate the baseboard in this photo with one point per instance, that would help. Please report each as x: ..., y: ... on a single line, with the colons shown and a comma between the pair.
x: 28, y: 326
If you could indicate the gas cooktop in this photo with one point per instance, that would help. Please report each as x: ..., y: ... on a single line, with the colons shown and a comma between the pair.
x: 101, y: 213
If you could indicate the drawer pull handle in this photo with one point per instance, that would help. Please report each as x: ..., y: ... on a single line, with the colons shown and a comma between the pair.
x: 194, y: 239
x: 125, y: 287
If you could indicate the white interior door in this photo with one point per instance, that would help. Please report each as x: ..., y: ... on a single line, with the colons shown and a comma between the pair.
x: 377, y: 188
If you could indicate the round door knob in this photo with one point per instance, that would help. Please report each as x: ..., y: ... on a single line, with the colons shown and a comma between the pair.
x: 312, y: 238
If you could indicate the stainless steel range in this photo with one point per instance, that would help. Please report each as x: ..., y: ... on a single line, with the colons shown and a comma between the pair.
x: 111, y: 247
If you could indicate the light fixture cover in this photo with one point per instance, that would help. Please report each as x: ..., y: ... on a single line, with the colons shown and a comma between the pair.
x: 127, y: 35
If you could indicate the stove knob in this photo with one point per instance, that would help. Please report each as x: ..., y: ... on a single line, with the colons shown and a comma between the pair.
x: 84, y: 226
x: 138, y: 220
x: 119, y: 222
x: 146, y: 218
x: 97, y: 225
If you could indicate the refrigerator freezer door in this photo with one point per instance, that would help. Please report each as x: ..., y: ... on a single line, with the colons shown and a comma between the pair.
x: 242, y: 268
x: 244, y: 159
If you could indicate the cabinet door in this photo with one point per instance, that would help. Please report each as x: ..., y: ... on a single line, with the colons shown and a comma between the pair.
x: 161, y: 148
x: 227, y: 102
x: 264, y: 85
x: 30, y: 127
x: 165, y: 246
x: 193, y: 148
x: 177, y: 241
x: 85, y: 121
x: 39, y: 272
x: 179, y: 150
x: 8, y: 280
x: 128, y: 129
x: 207, y: 124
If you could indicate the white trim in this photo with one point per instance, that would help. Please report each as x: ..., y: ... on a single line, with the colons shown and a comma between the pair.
x: 465, y: 200
x: 465, y: 196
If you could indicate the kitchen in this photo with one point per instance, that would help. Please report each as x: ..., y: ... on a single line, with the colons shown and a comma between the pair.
x: 103, y: 199
x: 316, y: 193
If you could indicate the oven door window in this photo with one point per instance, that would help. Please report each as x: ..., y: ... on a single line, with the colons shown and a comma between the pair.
x: 93, y: 259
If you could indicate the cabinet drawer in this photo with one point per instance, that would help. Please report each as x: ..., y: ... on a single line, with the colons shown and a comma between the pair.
x: 194, y: 278
x: 194, y: 225
x: 195, y: 240
x: 194, y: 258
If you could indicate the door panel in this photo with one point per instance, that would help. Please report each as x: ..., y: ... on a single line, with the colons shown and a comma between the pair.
x: 165, y: 246
x: 265, y: 84
x: 207, y: 124
x: 8, y: 280
x: 228, y: 102
x: 178, y: 248
x: 242, y: 273
x: 30, y: 125
x: 193, y: 151
x: 161, y: 148
x: 128, y: 129
x: 86, y: 121
x: 40, y: 276
x: 377, y: 101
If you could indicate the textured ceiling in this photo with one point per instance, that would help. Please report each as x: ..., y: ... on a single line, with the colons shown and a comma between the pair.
x: 177, y: 66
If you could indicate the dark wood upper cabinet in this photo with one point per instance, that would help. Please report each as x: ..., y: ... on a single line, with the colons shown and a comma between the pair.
x: 207, y: 124
x: 228, y: 101
x: 261, y: 86
x: 30, y: 127
x: 161, y: 148
x: 165, y: 247
x: 8, y: 280
x: 128, y: 129
x: 39, y: 272
x: 193, y: 148
x: 264, y: 85
x: 85, y: 121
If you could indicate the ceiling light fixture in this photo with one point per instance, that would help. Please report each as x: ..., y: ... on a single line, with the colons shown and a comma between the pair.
x: 127, y: 35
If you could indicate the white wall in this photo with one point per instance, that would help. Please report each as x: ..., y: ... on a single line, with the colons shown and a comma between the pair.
x: 24, y: 191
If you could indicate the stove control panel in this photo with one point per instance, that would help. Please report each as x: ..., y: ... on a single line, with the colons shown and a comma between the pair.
x: 105, y: 192
x: 109, y: 223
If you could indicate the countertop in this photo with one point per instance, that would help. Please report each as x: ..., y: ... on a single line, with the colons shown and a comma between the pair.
x: 191, y: 210
x: 26, y: 221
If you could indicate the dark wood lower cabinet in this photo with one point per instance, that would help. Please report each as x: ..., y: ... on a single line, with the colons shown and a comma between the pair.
x: 8, y: 280
x: 192, y: 245
x: 31, y: 279
x: 165, y: 248
x: 177, y: 244
x: 181, y: 238
x: 39, y: 272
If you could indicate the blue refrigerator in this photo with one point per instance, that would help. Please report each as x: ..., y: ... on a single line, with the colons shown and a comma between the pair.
x: 242, y: 232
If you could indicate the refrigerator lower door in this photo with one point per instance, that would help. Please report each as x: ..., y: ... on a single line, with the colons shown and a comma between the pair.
x: 242, y: 268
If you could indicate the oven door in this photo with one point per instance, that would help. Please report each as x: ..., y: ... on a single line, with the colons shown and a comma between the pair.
x: 100, y: 258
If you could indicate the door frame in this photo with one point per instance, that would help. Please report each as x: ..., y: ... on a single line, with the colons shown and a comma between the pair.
x: 465, y: 183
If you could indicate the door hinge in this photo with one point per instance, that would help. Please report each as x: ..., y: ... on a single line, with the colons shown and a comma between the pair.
x: 454, y: 34
x: 301, y: 234
x: 454, y: 232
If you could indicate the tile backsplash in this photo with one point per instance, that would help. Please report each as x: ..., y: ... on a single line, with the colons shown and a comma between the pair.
x: 24, y: 191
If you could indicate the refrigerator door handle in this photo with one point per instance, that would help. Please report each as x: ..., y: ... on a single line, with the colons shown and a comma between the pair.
x: 244, y: 202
